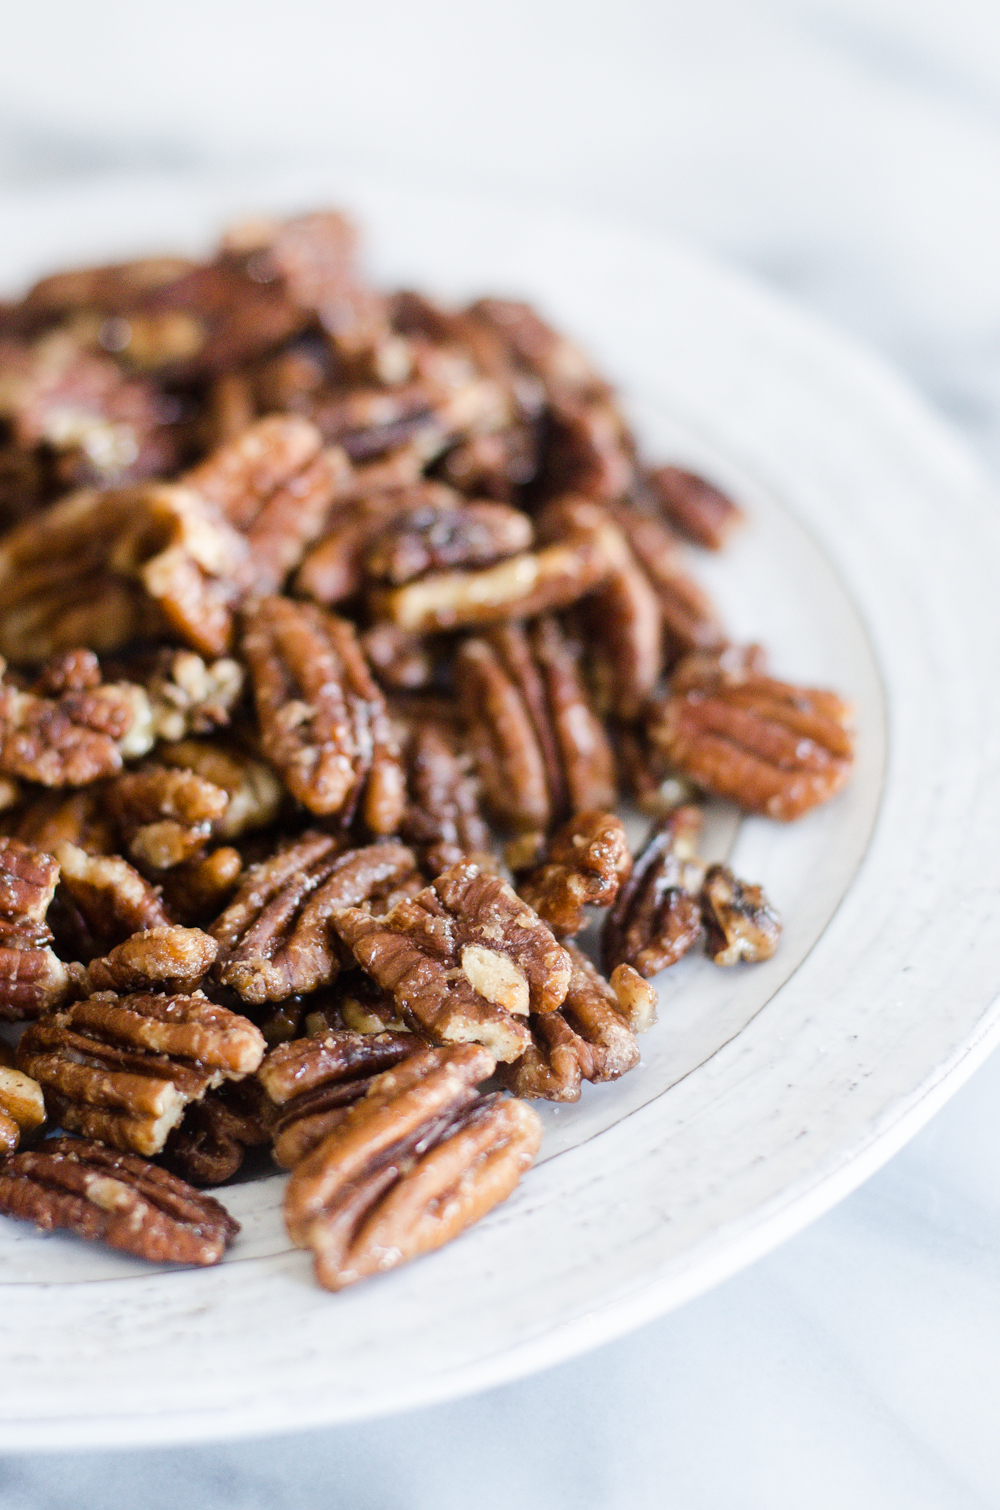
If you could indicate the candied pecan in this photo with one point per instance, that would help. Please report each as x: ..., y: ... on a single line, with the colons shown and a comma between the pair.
x: 71, y: 739
x: 169, y: 959
x: 254, y: 794
x: 188, y: 695
x: 493, y: 466
x: 123, y: 1069
x: 584, y: 865
x: 116, y: 1198
x: 105, y: 569
x: 49, y: 817
x: 646, y: 774
x: 434, y: 538
x: 690, y: 619
x: 589, y: 1038
x: 740, y: 923
x: 32, y: 978
x: 539, y: 748
x: 102, y: 900
x: 210, y: 1144
x: 105, y: 428
x: 22, y: 1106
x: 334, y: 569
x: 412, y: 1164
x: 463, y: 960
x: 323, y: 719
x: 443, y: 816
x: 165, y: 816
x: 656, y: 917
x: 399, y: 660
x: 771, y: 747
x: 589, y: 449
x: 314, y: 1080
x: 559, y: 363
x: 196, y: 890
x: 701, y: 512
x: 275, y: 485
x: 275, y: 935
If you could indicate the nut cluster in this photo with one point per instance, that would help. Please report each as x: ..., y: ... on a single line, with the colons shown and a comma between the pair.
x: 315, y: 601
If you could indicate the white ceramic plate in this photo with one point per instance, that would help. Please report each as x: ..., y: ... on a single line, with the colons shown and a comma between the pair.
x: 765, y: 1094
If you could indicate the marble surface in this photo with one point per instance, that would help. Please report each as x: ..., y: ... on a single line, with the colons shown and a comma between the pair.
x: 848, y: 152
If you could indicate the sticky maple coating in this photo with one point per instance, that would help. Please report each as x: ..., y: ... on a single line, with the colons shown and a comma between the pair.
x: 322, y: 717
x: 412, y: 1164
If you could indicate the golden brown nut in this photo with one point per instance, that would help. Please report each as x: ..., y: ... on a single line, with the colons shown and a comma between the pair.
x: 583, y: 865
x: 656, y: 917
x: 117, y: 1199
x: 32, y: 978
x: 71, y: 739
x: 172, y: 959
x: 740, y: 922
x: 102, y: 901
x: 443, y: 816
x: 413, y: 1163
x: 701, y: 512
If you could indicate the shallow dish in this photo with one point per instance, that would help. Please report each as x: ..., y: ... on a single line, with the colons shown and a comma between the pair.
x: 765, y: 1095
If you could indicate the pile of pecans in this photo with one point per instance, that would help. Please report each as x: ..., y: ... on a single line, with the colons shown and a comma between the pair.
x: 336, y: 626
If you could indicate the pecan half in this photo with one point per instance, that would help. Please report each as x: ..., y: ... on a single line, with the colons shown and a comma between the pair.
x: 443, y: 816
x: 50, y: 817
x: 589, y: 1038
x: 188, y: 695
x: 433, y: 539
x: 32, y: 978
x: 175, y: 960
x: 540, y: 750
x: 413, y: 1163
x: 771, y: 747
x: 334, y: 569
x: 322, y: 717
x: 102, y: 901
x: 117, y: 1199
x: 656, y: 917
x: 701, y: 512
x: 690, y: 619
x: 493, y: 466
x: 584, y: 865
x: 122, y: 1069
x: 254, y: 793
x: 275, y: 935
x: 164, y: 816
x: 313, y: 1081
x: 465, y: 960
x: 740, y: 923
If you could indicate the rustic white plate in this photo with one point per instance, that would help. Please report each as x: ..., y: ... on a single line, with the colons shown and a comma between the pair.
x: 765, y: 1094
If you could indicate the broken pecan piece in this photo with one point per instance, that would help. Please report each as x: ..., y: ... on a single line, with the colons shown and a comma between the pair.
x: 413, y: 1163
x: 276, y: 933
x: 175, y: 960
x: 443, y: 815
x: 32, y: 978
x: 102, y: 901
x: 740, y: 923
x: 771, y: 747
x: 313, y: 1080
x: 589, y: 1038
x: 123, y: 1069
x: 322, y: 717
x: 464, y: 960
x: 656, y: 917
x: 70, y: 739
x: 210, y: 1145
x: 165, y: 815
x: 584, y: 865
x: 22, y: 1106
x: 116, y: 1198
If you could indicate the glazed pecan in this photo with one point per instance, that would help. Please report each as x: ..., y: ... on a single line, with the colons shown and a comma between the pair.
x: 71, y: 739
x: 275, y: 484
x: 465, y: 960
x: 689, y: 617
x: 188, y: 695
x: 116, y: 1198
x: 195, y: 891
x: 253, y: 792
x: 583, y: 865
x: 436, y: 538
x: 589, y: 449
x: 740, y: 923
x: 210, y: 1145
x: 314, y: 1080
x: 540, y: 750
x: 493, y: 466
x: 589, y: 1038
x: 171, y: 959
x: 163, y: 815
x: 102, y: 901
x: 694, y: 507
x: 656, y: 917
x: 442, y: 818
x: 323, y: 719
x: 771, y: 747
x: 412, y: 1164
x: 275, y: 935
x: 334, y: 569
x: 32, y: 978
x: 22, y: 1106
x: 123, y: 1069
x: 400, y: 661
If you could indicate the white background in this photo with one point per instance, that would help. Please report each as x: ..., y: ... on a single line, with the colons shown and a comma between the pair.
x: 848, y: 152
